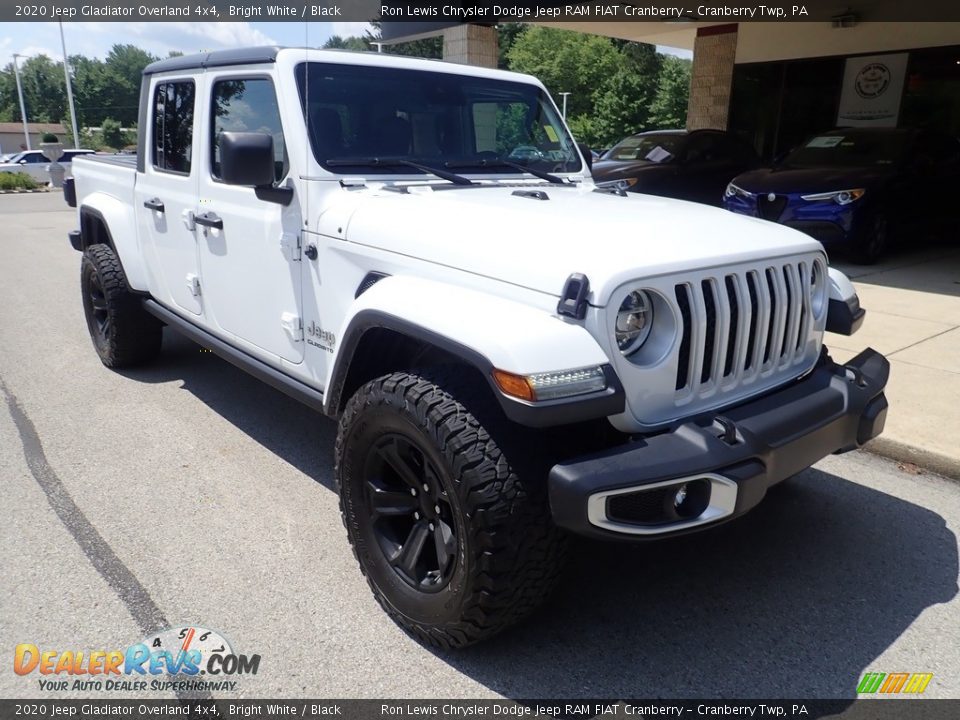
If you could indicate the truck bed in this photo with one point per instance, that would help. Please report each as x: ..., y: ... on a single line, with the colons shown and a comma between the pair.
x: 113, y: 175
x: 122, y: 160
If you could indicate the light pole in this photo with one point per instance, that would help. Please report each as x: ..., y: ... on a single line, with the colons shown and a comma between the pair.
x: 66, y: 77
x: 23, y: 108
x: 565, y: 94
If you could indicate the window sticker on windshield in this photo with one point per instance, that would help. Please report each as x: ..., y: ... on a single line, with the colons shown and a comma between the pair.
x: 825, y: 141
x: 551, y: 133
x: 658, y: 154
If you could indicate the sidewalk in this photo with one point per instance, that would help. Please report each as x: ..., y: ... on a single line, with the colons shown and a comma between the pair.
x: 913, y: 317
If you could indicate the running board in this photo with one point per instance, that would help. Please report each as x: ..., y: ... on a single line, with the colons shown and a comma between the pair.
x: 259, y: 369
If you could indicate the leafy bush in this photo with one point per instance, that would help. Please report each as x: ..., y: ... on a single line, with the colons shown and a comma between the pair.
x: 111, y: 134
x: 50, y: 138
x: 16, y: 181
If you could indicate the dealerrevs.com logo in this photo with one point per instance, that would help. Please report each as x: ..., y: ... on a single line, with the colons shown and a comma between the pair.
x: 169, y: 660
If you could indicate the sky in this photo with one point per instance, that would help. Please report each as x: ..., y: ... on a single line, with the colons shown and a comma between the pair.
x: 159, y: 38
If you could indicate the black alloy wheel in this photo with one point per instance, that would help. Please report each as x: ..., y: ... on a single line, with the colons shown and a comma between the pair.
x: 410, y: 513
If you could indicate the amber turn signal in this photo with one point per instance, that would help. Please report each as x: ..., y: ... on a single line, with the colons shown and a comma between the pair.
x: 514, y: 385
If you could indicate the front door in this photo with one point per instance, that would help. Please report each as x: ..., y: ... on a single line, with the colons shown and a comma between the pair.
x: 249, y: 247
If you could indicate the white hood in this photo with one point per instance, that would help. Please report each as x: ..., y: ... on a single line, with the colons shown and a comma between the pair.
x: 537, y: 243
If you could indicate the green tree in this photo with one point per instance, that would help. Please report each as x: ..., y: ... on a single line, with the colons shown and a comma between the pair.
x: 669, y: 107
x: 623, y: 103
x: 111, y: 134
x: 92, y: 89
x: 124, y: 65
x: 507, y: 34
x: 43, y: 90
x: 336, y: 42
x: 571, y: 62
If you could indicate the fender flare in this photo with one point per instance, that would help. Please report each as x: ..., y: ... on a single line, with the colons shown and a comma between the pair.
x: 369, y: 313
x: 844, y: 314
x: 111, y: 214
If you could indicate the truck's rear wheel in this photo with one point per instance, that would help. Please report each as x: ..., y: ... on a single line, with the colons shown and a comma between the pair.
x: 123, y: 333
x: 455, y: 544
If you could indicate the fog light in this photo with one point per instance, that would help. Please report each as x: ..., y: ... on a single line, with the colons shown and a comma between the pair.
x: 680, y: 496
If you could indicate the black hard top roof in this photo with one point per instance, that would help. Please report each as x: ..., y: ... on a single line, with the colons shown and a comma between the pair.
x: 216, y: 58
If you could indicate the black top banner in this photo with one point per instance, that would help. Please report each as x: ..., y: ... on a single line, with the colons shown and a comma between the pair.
x: 841, y: 14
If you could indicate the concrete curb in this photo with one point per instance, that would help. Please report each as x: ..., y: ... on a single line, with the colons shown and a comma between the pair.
x: 926, y: 459
x: 20, y: 191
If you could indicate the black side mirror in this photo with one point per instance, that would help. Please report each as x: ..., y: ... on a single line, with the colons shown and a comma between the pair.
x: 587, y: 155
x: 247, y: 159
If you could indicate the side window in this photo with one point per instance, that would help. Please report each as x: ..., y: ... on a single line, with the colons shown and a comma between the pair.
x: 34, y: 158
x: 173, y: 126
x: 247, y: 106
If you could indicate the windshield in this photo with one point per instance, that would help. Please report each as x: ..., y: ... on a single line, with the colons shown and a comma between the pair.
x: 849, y: 149
x: 433, y: 118
x: 652, y: 148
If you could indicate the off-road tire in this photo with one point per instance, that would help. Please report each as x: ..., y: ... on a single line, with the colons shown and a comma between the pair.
x: 509, y: 553
x: 123, y: 333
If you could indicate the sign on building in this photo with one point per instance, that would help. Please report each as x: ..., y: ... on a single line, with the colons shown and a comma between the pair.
x: 872, y: 89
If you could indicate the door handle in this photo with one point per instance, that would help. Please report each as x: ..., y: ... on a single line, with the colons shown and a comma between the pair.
x: 154, y: 204
x: 209, y: 219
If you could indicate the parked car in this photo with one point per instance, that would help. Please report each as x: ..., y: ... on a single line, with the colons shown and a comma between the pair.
x: 857, y: 189
x: 686, y: 165
x: 34, y: 163
x: 503, y: 367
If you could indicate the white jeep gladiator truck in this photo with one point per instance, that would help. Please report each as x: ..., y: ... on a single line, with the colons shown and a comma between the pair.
x: 513, y: 353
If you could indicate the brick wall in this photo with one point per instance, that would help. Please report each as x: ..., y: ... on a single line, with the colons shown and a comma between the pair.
x: 714, y: 53
x: 471, y: 45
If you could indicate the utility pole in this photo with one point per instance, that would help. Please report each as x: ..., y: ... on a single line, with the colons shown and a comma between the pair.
x: 66, y: 77
x: 23, y: 108
x: 565, y: 94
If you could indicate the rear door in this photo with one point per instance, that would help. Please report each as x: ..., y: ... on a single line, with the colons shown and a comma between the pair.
x: 249, y: 253
x: 166, y: 194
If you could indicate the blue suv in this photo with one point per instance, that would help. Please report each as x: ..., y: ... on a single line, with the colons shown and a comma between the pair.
x: 853, y: 189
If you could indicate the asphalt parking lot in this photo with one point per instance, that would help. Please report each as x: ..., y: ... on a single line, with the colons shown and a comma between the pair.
x: 190, y: 494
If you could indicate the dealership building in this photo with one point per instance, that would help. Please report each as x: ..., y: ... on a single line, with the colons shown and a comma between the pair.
x: 775, y: 83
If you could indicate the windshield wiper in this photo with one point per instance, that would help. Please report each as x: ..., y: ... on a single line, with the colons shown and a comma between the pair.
x: 501, y: 162
x: 400, y: 162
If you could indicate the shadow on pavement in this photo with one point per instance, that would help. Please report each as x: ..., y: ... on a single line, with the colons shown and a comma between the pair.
x: 794, y: 600
x: 923, y: 269
x: 285, y: 427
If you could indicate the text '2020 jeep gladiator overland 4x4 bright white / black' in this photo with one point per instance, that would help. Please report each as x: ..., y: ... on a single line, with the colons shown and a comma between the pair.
x: 418, y: 249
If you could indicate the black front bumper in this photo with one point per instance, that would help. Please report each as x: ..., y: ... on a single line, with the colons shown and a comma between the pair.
x: 746, y: 449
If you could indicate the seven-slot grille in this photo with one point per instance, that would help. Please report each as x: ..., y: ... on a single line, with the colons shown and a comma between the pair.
x: 739, y: 325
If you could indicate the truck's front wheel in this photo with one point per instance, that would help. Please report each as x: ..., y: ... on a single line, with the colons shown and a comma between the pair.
x: 123, y: 333
x: 455, y: 543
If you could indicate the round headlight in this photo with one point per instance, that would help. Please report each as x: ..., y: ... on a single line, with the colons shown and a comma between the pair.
x: 634, y: 319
